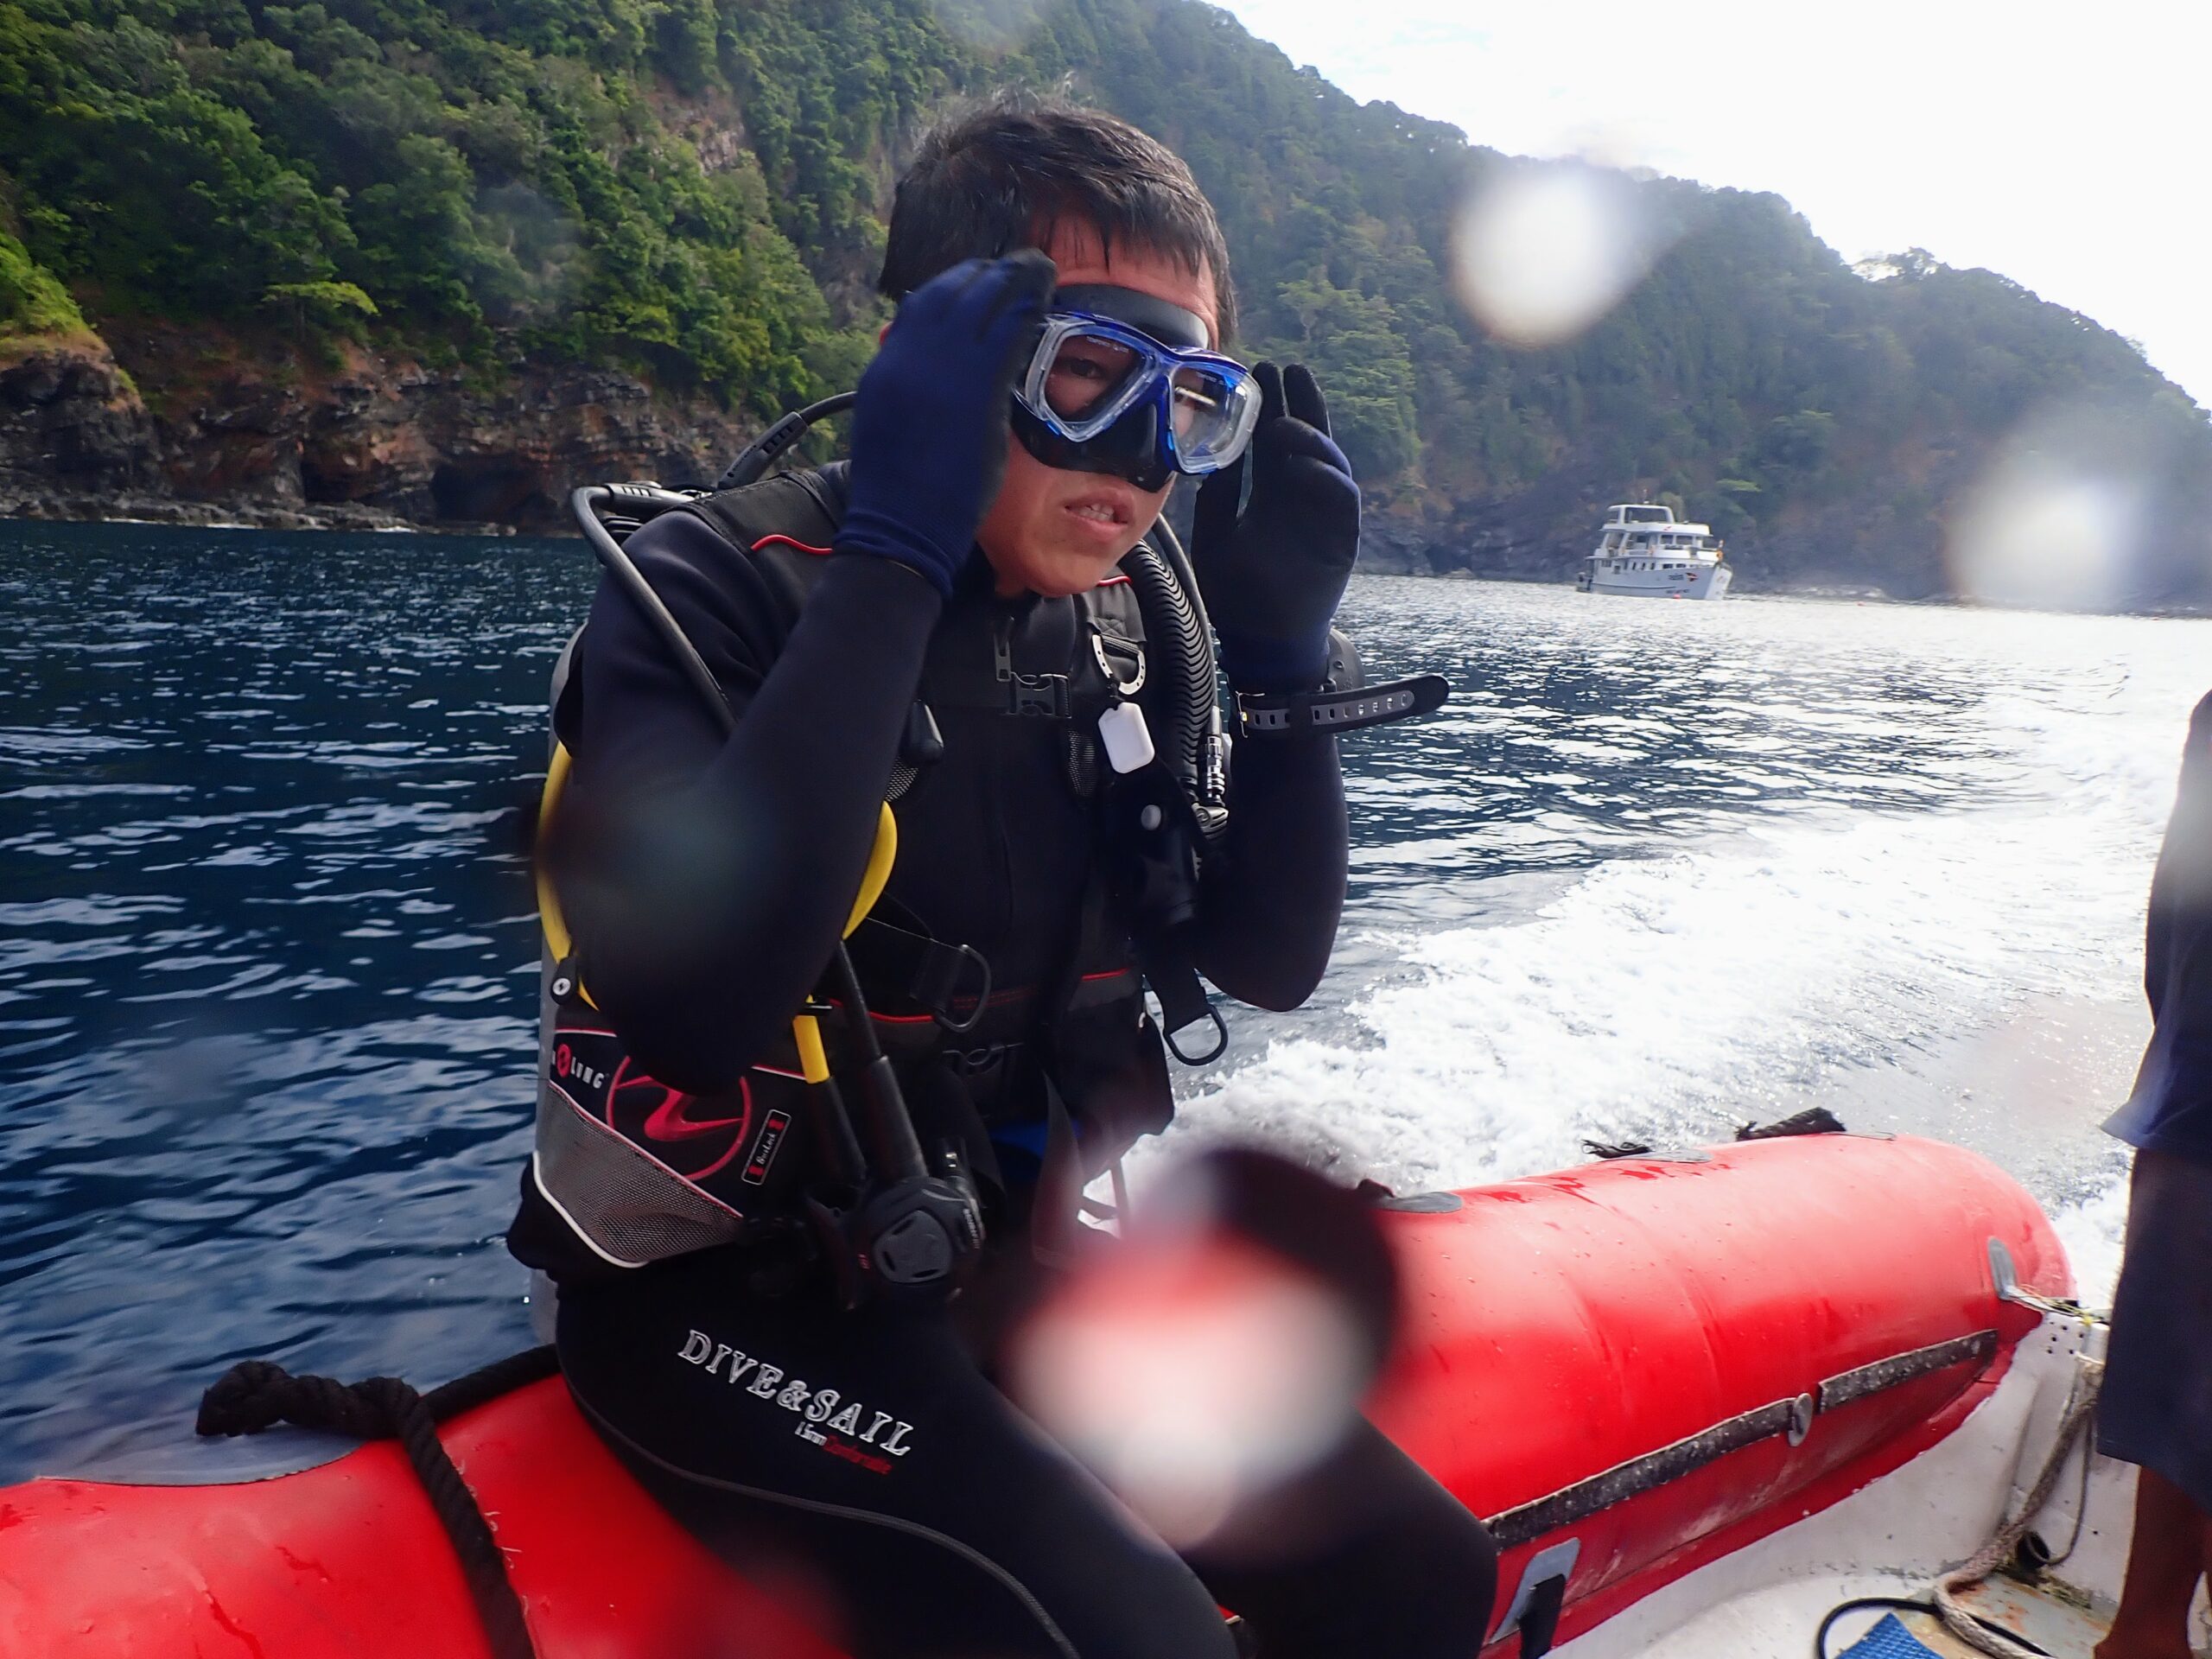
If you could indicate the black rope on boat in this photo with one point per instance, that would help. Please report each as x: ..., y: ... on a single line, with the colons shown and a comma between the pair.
x: 1906, y: 1604
x: 1814, y: 1120
x: 255, y: 1395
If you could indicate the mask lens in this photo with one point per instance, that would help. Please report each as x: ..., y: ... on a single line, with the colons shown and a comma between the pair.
x: 1086, y: 372
x: 1213, y: 414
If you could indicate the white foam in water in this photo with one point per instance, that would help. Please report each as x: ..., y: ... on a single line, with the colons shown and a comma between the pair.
x: 1972, y: 974
x: 2092, y: 1229
x: 1677, y: 996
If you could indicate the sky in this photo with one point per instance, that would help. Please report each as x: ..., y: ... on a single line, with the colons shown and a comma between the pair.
x: 2068, y: 147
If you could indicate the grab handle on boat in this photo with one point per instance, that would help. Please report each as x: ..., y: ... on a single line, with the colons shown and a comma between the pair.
x: 1536, y: 1606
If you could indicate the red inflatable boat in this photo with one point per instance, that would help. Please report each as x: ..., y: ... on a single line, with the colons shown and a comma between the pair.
x: 1631, y: 1369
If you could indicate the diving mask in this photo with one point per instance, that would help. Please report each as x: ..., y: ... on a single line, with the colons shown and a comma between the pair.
x: 1121, y: 383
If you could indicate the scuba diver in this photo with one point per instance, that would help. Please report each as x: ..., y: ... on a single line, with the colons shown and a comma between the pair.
x: 759, y: 1182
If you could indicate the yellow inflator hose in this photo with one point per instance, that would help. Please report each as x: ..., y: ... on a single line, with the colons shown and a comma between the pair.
x: 813, y: 1064
x: 550, y: 919
x: 812, y: 1061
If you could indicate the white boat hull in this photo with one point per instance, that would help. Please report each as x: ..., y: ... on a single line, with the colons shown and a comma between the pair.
x: 1704, y: 582
x: 1898, y: 1534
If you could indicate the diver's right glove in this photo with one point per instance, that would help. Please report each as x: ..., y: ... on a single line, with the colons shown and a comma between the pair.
x: 929, y: 428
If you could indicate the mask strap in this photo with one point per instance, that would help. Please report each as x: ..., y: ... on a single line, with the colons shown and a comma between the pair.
x: 1169, y: 324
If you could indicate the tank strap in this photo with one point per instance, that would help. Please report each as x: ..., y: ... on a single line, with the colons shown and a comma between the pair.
x: 255, y: 1395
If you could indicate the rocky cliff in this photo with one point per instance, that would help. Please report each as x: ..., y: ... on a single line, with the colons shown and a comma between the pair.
x: 247, y: 432
x: 251, y: 432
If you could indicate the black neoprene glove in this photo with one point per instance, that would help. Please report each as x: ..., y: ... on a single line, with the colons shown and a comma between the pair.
x: 930, y: 426
x: 1273, y: 575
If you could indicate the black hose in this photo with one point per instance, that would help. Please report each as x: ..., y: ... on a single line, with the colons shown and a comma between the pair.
x: 1821, y: 1636
x: 583, y: 505
x: 1201, y: 690
x: 763, y: 451
x: 1173, y: 631
x: 1907, y: 1603
x: 1179, y: 562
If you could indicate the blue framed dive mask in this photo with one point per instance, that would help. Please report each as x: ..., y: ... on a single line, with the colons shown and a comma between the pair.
x: 1109, y: 389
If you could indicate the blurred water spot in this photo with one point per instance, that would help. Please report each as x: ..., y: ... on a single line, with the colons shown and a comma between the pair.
x: 1194, y: 1371
x: 2059, y: 517
x: 993, y: 26
x: 1542, y: 250
x: 534, y: 270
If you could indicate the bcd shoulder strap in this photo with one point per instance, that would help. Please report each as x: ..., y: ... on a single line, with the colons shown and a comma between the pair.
x: 783, y: 528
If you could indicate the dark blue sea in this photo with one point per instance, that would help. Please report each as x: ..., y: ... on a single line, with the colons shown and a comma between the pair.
x: 268, y: 955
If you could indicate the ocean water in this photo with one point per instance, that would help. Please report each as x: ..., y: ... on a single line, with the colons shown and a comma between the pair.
x: 267, y: 957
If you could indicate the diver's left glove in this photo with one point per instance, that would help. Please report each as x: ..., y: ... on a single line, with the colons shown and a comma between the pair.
x: 929, y: 428
x: 1274, y: 574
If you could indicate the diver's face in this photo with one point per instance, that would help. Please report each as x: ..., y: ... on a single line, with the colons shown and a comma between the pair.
x: 1055, y: 532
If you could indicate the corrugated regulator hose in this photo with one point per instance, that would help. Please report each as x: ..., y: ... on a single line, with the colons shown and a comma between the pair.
x: 1175, y: 631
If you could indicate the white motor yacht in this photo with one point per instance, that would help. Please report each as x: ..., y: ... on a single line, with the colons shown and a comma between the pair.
x: 1643, y: 550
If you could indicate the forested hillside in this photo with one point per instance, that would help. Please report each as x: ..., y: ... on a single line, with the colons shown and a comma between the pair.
x: 434, y: 259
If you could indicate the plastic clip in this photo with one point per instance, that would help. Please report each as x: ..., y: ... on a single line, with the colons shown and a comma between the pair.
x: 1220, y: 1046
x: 958, y: 1027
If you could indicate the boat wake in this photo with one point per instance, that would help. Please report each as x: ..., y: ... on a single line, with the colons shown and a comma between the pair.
x: 1903, y: 971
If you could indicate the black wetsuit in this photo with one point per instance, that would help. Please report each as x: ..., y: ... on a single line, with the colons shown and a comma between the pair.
x: 937, y: 1519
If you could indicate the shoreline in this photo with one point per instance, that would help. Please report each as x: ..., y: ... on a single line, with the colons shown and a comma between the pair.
x: 176, y: 513
x: 172, y: 513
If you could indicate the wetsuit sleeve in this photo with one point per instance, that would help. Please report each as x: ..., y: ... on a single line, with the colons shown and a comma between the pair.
x: 1273, y: 890
x: 708, y: 877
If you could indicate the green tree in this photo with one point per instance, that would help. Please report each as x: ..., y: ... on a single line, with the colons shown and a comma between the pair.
x: 33, y: 303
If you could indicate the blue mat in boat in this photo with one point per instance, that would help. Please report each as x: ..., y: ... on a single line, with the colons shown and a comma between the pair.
x: 1888, y: 1640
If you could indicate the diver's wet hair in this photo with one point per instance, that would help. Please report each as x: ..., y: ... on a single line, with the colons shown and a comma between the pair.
x: 1000, y: 176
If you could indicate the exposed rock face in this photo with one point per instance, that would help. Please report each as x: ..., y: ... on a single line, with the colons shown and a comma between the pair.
x: 71, y: 422
x: 435, y: 450
x: 244, y: 433
x: 247, y: 432
x: 253, y: 436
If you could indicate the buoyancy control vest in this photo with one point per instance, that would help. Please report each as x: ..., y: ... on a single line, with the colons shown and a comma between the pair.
x: 640, y: 1171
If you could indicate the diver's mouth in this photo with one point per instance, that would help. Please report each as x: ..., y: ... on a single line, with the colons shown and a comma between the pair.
x: 1100, y: 512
